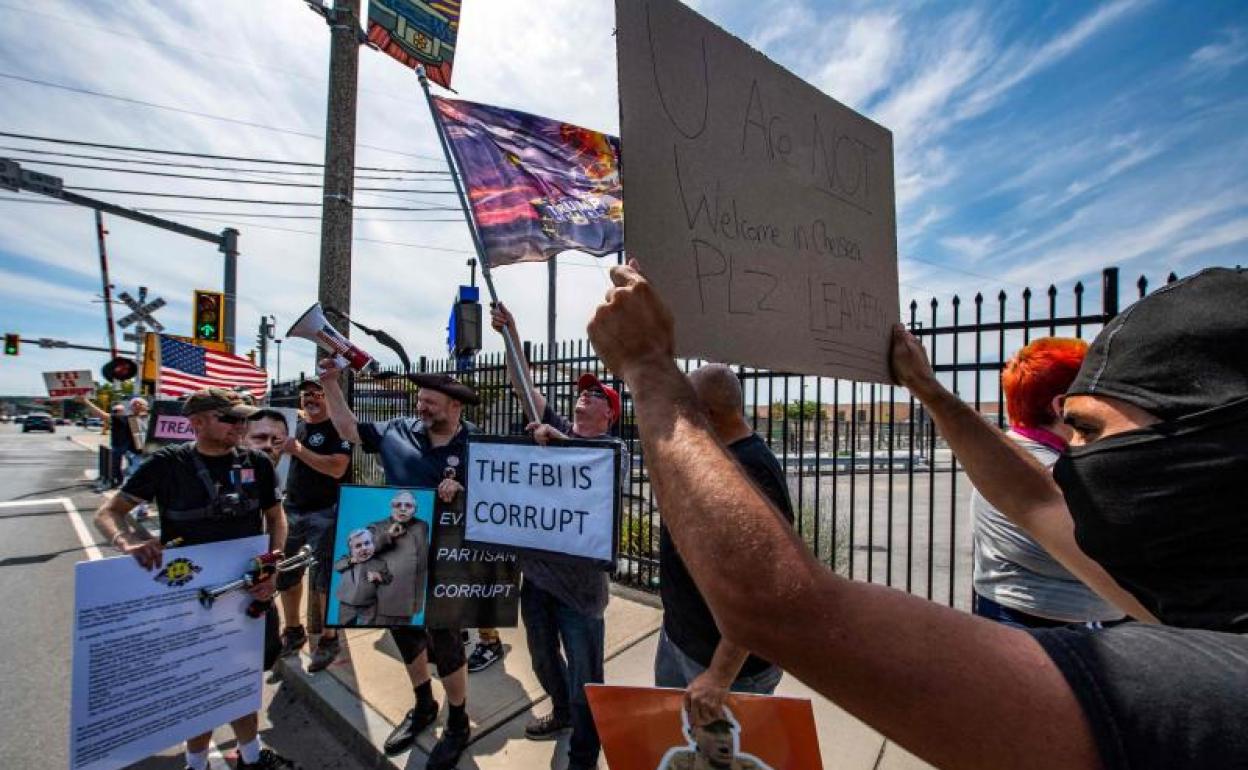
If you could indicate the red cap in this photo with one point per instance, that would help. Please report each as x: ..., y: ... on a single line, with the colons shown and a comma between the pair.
x: 589, y: 380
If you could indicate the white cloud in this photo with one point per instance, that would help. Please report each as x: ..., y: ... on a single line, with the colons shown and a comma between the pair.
x: 1220, y: 57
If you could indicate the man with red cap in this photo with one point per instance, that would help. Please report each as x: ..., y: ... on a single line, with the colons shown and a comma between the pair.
x: 564, y: 600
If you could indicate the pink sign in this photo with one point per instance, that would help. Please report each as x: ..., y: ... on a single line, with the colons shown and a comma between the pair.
x: 170, y: 427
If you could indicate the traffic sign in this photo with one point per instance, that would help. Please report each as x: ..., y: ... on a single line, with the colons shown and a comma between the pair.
x: 141, y: 312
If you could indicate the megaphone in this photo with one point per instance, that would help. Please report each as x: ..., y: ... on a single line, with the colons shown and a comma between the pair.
x: 313, y: 326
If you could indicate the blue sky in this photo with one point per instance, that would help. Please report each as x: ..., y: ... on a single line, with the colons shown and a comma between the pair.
x: 1034, y: 144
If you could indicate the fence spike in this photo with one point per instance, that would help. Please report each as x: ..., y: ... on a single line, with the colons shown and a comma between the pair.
x: 1052, y: 290
x: 1079, y: 287
x: 1171, y: 278
x: 1142, y: 284
x: 979, y: 298
x: 1027, y: 293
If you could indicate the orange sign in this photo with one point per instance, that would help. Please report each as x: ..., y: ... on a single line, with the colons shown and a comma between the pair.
x: 645, y: 728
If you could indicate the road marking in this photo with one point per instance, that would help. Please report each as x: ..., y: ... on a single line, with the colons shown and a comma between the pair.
x: 80, y: 529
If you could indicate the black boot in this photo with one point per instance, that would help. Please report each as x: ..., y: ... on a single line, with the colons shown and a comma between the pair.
x: 412, y: 725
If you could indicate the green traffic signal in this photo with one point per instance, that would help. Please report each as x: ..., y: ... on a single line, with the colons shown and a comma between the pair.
x: 208, y: 331
x: 12, y: 344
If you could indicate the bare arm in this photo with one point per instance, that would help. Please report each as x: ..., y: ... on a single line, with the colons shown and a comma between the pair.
x: 941, y: 683
x: 330, y: 465
x: 93, y: 407
x: 340, y: 414
x: 1008, y: 477
x: 275, y: 525
x: 706, y: 694
x: 112, y: 523
x: 505, y: 323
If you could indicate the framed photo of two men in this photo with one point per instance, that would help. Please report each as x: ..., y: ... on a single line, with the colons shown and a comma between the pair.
x: 399, y: 559
x: 380, y: 571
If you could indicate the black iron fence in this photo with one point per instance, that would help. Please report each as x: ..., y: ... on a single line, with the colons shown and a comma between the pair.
x: 878, y: 495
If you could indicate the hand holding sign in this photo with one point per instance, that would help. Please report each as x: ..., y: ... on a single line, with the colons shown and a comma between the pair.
x: 633, y: 330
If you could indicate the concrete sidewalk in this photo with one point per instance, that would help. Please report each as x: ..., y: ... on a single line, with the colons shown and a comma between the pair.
x: 366, y: 693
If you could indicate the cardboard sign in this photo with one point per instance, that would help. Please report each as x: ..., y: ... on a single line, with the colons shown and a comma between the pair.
x: 418, y: 573
x: 562, y: 498
x: 63, y: 385
x: 166, y: 425
x: 761, y: 210
x: 152, y: 667
x: 646, y: 728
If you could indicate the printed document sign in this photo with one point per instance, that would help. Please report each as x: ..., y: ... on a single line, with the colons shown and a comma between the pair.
x: 562, y: 498
x: 63, y: 385
x: 152, y: 666
x: 645, y: 728
x: 761, y: 209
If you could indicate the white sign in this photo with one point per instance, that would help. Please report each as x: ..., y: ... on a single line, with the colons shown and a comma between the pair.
x: 62, y: 385
x: 152, y: 667
x: 560, y: 498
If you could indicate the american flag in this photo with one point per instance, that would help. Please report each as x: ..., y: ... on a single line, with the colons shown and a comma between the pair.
x: 186, y: 368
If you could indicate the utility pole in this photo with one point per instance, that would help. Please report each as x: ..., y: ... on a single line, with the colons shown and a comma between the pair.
x: 100, y: 232
x: 268, y: 325
x: 339, y: 183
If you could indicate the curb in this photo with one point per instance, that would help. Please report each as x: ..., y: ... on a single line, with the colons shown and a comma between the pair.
x: 350, y: 719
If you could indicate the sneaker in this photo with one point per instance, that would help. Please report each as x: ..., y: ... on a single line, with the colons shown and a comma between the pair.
x: 414, y: 722
x: 484, y: 655
x: 293, y: 639
x: 447, y: 750
x: 547, y: 728
x: 269, y: 760
x: 326, y: 652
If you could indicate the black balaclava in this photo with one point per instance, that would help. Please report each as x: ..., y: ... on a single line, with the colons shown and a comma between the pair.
x: 1165, y: 508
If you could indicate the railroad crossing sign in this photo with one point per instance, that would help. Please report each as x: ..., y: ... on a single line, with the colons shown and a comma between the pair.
x: 141, y: 310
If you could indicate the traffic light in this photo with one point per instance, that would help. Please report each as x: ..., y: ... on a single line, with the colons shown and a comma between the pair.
x: 12, y: 344
x: 209, y: 311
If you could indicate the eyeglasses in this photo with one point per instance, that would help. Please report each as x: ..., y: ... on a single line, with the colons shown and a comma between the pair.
x: 596, y: 393
x: 312, y: 394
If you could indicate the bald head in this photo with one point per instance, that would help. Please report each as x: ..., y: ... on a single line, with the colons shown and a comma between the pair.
x: 719, y: 390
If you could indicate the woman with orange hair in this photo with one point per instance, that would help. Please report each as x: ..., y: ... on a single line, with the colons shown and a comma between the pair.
x: 1015, y: 580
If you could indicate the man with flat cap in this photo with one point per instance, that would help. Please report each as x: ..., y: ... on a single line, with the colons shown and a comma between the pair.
x: 428, y: 451
x: 208, y: 490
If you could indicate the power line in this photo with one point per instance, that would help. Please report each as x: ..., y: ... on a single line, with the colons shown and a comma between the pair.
x: 256, y: 201
x: 199, y: 166
x: 199, y: 178
x: 41, y: 202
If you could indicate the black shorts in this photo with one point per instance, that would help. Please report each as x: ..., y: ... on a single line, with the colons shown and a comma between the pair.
x: 314, y: 528
x: 447, y: 647
x: 272, y: 639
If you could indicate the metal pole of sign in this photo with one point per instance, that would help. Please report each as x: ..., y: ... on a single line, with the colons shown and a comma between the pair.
x: 514, y: 359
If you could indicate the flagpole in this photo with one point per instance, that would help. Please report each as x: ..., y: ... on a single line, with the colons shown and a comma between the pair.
x: 520, y: 374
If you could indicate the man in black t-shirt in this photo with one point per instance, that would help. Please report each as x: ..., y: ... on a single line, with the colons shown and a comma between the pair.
x: 237, y: 499
x: 692, y: 654
x: 319, y: 460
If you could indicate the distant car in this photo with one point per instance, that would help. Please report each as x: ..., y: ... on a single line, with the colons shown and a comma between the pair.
x: 62, y: 421
x: 38, y: 421
x: 94, y: 422
x: 18, y: 420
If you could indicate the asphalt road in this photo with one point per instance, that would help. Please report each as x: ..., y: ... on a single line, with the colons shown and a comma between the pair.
x: 44, y: 486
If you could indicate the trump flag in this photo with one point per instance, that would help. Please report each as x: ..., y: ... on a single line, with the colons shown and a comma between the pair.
x: 536, y: 186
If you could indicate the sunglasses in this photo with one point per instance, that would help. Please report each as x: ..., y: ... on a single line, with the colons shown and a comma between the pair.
x: 404, y: 506
x: 228, y: 419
